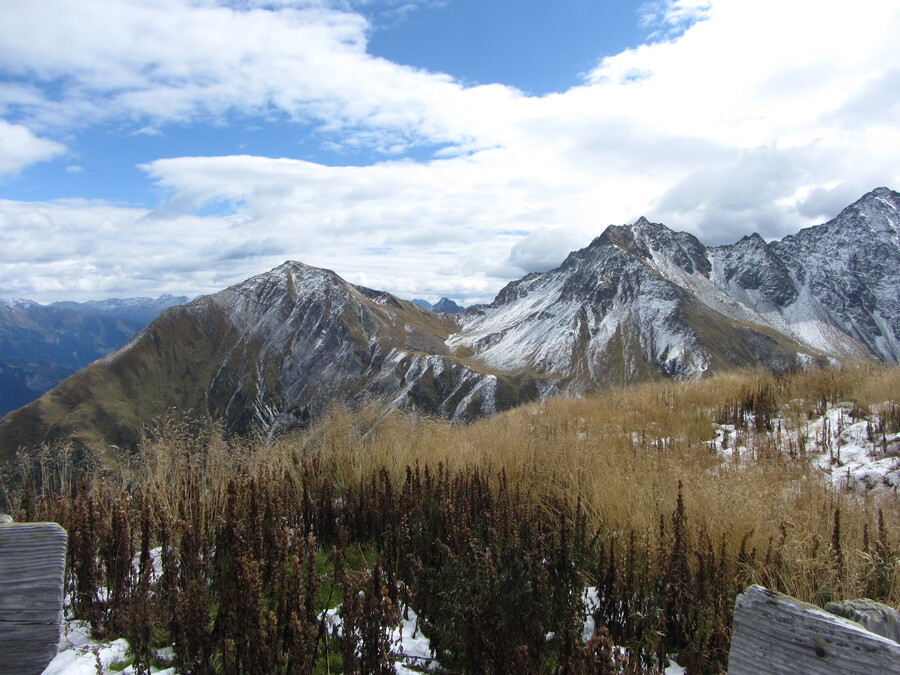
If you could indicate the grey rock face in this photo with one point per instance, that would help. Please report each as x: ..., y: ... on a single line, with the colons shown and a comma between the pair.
x: 644, y: 301
x: 850, y: 269
x: 294, y: 340
x: 750, y: 265
x: 833, y: 287
x: 876, y: 617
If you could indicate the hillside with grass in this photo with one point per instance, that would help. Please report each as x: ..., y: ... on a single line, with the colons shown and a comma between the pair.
x: 607, y: 533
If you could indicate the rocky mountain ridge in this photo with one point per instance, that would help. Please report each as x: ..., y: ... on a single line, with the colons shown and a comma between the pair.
x: 641, y: 302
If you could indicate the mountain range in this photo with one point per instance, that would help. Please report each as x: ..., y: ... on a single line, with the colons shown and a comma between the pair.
x: 142, y: 309
x: 42, y: 345
x: 442, y: 306
x: 641, y: 302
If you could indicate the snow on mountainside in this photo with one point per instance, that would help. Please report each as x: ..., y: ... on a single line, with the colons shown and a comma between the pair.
x: 636, y: 304
x: 18, y: 303
x: 264, y: 356
x: 643, y: 297
x: 833, y: 287
x: 333, y: 340
x: 641, y: 302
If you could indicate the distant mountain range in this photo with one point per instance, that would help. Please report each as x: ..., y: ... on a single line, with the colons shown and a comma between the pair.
x: 442, y: 306
x: 42, y: 345
x: 641, y: 302
x: 136, y: 309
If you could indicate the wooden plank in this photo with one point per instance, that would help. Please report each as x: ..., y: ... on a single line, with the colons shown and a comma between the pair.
x: 775, y: 633
x: 32, y: 565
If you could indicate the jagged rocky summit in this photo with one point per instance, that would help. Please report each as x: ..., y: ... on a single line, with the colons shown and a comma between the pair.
x: 641, y: 302
x: 644, y: 301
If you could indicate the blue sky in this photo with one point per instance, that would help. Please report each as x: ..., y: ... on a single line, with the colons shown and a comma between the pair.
x: 427, y: 148
x: 538, y: 46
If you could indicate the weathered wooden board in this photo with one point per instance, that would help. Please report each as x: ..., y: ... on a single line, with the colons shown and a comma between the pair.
x: 32, y: 564
x: 775, y: 633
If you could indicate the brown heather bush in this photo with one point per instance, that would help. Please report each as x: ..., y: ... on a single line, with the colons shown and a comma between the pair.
x: 489, y: 531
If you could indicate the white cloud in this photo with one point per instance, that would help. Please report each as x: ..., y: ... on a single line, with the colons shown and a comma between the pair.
x: 84, y: 249
x: 159, y: 61
x: 20, y: 148
x: 670, y: 18
x: 736, y: 117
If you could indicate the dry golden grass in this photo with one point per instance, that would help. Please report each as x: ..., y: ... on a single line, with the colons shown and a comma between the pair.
x: 625, y: 451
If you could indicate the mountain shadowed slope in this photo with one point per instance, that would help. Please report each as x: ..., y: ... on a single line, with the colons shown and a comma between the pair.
x: 42, y: 345
x: 447, y: 306
x: 641, y: 302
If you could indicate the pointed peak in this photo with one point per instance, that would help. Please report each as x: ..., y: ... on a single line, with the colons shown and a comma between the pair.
x: 872, y: 210
x: 879, y: 192
x: 644, y: 224
x: 753, y: 238
x: 878, y: 195
x: 447, y: 306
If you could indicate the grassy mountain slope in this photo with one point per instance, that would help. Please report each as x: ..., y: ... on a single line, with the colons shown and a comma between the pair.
x: 271, y: 353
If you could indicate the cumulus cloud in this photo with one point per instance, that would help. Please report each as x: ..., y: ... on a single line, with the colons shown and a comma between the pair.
x: 86, y: 249
x: 20, y: 148
x: 541, y: 250
x: 727, y: 121
x: 162, y: 61
x: 444, y: 225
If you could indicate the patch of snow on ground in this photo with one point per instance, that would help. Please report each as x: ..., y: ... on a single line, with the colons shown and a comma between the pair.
x: 852, y: 454
x: 80, y: 655
x: 409, y: 644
